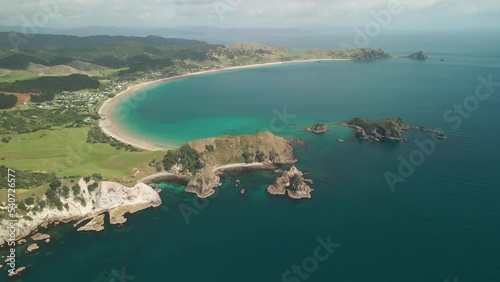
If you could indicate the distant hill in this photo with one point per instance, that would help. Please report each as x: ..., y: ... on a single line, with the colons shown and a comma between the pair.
x: 51, y: 41
x: 113, y: 55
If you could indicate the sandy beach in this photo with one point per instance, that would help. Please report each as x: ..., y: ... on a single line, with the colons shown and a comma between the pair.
x: 113, y: 128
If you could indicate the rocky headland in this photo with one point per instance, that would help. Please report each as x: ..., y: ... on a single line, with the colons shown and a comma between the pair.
x: 202, y: 162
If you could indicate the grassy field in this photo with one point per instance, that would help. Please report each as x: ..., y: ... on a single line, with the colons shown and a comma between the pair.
x: 17, y: 75
x: 105, y: 73
x: 65, y: 152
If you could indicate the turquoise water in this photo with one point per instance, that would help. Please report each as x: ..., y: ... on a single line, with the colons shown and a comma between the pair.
x: 441, y: 223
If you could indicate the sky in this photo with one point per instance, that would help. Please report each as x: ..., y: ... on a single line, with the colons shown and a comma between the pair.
x: 411, y: 14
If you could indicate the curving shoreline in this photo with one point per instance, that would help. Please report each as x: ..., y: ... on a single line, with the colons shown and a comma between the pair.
x: 116, y: 130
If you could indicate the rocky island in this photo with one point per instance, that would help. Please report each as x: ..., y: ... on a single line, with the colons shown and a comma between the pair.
x: 378, y: 130
x: 421, y: 56
x: 32, y: 248
x: 318, y: 128
x: 437, y: 133
x: 386, y: 129
x: 292, y: 183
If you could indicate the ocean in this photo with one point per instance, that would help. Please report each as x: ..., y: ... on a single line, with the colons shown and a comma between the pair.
x: 438, y: 222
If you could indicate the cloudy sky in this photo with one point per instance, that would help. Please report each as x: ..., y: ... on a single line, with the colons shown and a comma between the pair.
x: 415, y: 14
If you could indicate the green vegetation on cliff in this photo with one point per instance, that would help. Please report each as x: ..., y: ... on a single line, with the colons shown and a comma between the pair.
x: 188, y: 158
x: 260, y: 147
x: 224, y: 150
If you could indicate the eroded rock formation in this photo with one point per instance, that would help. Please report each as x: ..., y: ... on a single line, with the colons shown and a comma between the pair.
x: 291, y: 182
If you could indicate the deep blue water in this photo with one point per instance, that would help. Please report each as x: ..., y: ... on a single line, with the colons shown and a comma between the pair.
x: 441, y: 223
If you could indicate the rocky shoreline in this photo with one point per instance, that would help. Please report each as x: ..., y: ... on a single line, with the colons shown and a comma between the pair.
x: 262, y: 151
x: 87, y: 210
x: 110, y: 197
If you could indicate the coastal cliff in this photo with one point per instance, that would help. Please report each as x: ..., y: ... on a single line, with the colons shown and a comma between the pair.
x: 107, y: 197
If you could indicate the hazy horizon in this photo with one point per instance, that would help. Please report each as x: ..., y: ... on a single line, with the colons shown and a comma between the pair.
x: 408, y: 15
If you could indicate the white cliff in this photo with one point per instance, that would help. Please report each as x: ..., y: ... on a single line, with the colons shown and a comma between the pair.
x: 107, y: 197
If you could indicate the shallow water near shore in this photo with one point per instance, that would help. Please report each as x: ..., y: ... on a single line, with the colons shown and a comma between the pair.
x: 441, y: 223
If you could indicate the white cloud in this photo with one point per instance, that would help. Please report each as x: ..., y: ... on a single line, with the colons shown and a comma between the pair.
x: 269, y: 13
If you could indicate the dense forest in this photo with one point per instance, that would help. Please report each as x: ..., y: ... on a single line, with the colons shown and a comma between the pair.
x: 49, y: 86
x: 7, y: 101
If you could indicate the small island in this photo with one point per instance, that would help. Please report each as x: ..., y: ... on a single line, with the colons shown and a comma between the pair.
x: 386, y: 129
x: 421, y: 56
x: 292, y: 183
x: 378, y: 130
x: 318, y: 128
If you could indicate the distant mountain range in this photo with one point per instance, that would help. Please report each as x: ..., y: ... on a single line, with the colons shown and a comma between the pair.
x: 214, y: 35
x: 51, y: 41
x: 178, y: 32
